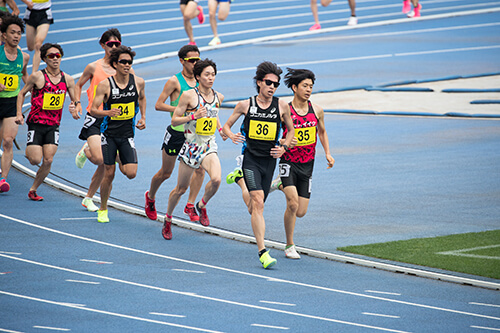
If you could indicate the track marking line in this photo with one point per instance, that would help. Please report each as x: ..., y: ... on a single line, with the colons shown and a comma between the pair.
x: 188, y: 271
x: 97, y: 261
x: 52, y: 328
x: 269, y: 326
x: 105, y: 312
x: 380, y: 315
x: 11, y: 253
x: 77, y: 218
x: 85, y: 282
x: 9, y: 331
x: 487, y: 328
x: 382, y: 292
x: 485, y: 304
x: 167, y: 315
x: 278, y: 303
x: 462, y: 252
x: 227, y: 270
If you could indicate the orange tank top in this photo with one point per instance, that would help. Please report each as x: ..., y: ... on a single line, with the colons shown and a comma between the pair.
x: 99, y: 75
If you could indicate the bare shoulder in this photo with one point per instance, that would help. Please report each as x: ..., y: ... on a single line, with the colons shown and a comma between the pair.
x: 220, y: 96
x: 318, y: 110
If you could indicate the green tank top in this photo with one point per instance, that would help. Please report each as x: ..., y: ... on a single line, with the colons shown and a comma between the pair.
x: 184, y: 86
x: 11, y: 73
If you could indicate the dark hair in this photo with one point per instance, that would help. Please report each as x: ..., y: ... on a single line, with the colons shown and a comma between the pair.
x: 265, y: 68
x: 116, y: 52
x: 295, y: 76
x: 183, y: 51
x: 45, y: 47
x: 8, y: 20
x: 3, y: 14
x: 112, y: 32
x: 201, y: 65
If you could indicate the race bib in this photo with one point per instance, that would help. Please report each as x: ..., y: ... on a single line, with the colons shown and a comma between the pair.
x: 127, y: 111
x: 262, y: 130
x: 305, y: 136
x: 206, y: 126
x: 53, y: 101
x: 11, y: 82
x: 40, y: 1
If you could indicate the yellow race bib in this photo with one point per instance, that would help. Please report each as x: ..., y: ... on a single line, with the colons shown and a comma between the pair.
x: 127, y: 111
x: 262, y: 130
x: 53, y: 101
x: 305, y: 136
x: 40, y: 1
x: 11, y: 82
x: 206, y: 126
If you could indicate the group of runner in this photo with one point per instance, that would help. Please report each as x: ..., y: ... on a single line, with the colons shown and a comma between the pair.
x: 116, y: 98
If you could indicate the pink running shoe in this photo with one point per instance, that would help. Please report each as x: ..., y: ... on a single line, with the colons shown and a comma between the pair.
x: 4, y: 186
x: 406, y: 6
x: 167, y: 230
x: 191, y: 212
x: 316, y: 26
x: 33, y: 196
x: 415, y: 12
x: 192, y: 43
x: 201, y: 17
x: 203, y: 215
x: 150, y: 207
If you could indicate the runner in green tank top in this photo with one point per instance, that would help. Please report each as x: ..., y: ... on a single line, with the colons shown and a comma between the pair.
x: 174, y: 135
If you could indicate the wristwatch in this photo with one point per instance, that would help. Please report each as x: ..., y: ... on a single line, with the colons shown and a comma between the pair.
x: 285, y: 146
x: 76, y: 102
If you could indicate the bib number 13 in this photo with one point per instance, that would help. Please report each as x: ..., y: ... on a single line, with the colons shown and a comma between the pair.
x: 9, y: 81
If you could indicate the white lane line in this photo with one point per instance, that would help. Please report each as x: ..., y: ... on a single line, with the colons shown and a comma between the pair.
x: 12, y: 253
x: 72, y: 304
x: 106, y: 312
x: 487, y: 328
x: 8, y: 331
x: 305, y: 285
x: 77, y: 218
x: 167, y: 315
x: 485, y: 304
x: 278, y: 303
x: 188, y: 271
x: 84, y: 282
x: 382, y: 292
x: 52, y: 328
x: 269, y: 326
x: 97, y: 261
x: 380, y: 315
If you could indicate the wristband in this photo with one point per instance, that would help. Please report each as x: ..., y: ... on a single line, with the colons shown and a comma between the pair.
x: 192, y: 116
x: 220, y: 130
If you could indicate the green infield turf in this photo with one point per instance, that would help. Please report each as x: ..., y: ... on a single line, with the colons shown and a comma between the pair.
x: 472, y: 253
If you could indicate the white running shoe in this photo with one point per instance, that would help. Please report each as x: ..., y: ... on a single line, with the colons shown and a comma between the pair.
x: 275, y: 184
x: 89, y: 204
x: 353, y: 20
x: 214, y: 41
x: 291, y: 252
x: 81, y: 158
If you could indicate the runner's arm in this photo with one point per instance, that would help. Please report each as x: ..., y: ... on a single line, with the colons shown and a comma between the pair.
x: 141, y: 123
x: 87, y: 74
x: 171, y: 86
x: 239, y: 110
x: 323, y: 136
x: 32, y: 80
x: 70, y: 83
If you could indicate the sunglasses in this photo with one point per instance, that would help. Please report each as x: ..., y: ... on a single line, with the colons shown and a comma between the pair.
x: 54, y: 55
x: 125, y: 62
x: 269, y: 82
x: 192, y: 59
x: 113, y: 43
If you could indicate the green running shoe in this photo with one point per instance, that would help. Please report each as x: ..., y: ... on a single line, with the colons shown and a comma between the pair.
x: 81, y: 158
x: 102, y: 216
x: 267, y: 261
x: 237, y: 173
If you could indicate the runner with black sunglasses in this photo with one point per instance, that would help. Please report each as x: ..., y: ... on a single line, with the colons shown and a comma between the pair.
x: 263, y: 117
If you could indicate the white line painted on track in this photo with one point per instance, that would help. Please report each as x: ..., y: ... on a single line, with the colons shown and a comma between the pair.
x: 485, y: 304
x: 487, y: 328
x: 231, y: 270
x: 77, y: 218
x: 167, y: 315
x: 72, y: 304
x: 382, y: 292
x: 9, y: 331
x: 269, y: 326
x: 188, y: 271
x: 106, y: 312
x: 97, y: 261
x: 11, y: 253
x: 380, y: 315
x: 52, y: 328
x: 278, y: 303
x: 84, y: 282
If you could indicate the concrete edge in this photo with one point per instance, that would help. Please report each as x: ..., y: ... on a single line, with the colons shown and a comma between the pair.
x: 273, y: 244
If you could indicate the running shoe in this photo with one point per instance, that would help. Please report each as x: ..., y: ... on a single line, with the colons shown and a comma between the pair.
x: 275, y: 184
x: 316, y: 26
x: 4, y: 186
x: 33, y: 196
x: 166, y: 231
x: 236, y: 173
x: 192, y: 43
x: 291, y: 252
x: 203, y: 215
x: 406, y: 6
x: 150, y: 207
x: 267, y: 261
x: 81, y: 158
x: 201, y: 17
x: 415, y: 12
x: 353, y: 20
x: 190, y: 211
x: 214, y: 41
x: 102, y: 216
x: 89, y: 204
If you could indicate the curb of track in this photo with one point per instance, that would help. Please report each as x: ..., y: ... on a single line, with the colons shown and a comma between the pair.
x: 391, y: 267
